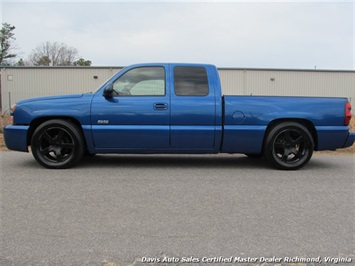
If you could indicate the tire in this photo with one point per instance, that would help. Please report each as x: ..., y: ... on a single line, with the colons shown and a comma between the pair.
x: 289, y: 146
x: 57, y: 144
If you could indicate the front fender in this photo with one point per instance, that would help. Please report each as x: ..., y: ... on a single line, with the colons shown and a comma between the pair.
x: 77, y: 108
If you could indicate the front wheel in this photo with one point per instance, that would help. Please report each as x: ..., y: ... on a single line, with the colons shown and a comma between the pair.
x: 289, y: 146
x: 57, y: 144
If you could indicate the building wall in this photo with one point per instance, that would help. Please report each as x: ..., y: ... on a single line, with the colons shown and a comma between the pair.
x: 289, y: 82
x: 23, y: 83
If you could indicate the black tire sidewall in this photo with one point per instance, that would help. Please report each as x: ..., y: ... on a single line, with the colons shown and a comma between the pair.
x: 75, y: 134
x: 273, y: 134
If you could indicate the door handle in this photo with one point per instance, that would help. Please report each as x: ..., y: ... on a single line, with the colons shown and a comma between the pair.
x: 160, y: 106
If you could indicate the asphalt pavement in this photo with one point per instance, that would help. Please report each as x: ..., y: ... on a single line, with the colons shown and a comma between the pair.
x: 174, y: 210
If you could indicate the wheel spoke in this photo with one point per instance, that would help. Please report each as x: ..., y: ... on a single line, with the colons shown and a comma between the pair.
x: 58, y: 154
x: 297, y: 141
x: 60, y: 135
x: 67, y: 145
x: 287, y: 136
x: 46, y: 150
x: 298, y: 155
x: 294, y: 151
x: 48, y: 137
x: 279, y: 145
x: 285, y: 156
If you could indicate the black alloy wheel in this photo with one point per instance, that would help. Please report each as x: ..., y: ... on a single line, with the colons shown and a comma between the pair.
x: 57, y: 144
x: 289, y: 146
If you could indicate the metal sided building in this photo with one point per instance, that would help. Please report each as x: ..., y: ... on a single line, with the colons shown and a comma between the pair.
x: 18, y: 83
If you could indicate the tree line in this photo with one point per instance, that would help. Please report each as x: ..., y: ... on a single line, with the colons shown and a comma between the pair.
x: 45, y: 54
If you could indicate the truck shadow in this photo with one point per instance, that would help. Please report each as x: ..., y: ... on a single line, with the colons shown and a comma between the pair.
x: 173, y: 161
x: 213, y: 161
x: 102, y: 161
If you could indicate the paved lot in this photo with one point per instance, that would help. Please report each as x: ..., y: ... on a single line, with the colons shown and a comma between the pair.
x: 115, y: 210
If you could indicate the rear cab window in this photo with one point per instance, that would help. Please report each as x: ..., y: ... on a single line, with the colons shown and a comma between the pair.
x: 190, y: 81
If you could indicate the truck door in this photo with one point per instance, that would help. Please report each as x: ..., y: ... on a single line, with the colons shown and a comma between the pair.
x: 136, y: 117
x: 193, y: 109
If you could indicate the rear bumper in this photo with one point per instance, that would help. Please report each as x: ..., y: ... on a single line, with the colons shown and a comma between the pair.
x: 16, y: 137
x: 350, y: 140
x: 334, y: 137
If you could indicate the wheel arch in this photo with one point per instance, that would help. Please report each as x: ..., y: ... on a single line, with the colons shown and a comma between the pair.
x: 38, y: 121
x: 308, y: 124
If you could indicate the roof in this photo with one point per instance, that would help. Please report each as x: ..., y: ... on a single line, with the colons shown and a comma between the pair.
x: 219, y: 68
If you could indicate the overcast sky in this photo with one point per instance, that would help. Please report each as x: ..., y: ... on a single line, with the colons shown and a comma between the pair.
x: 278, y: 34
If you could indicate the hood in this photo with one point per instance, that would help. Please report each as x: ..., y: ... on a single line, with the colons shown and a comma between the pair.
x: 71, y: 96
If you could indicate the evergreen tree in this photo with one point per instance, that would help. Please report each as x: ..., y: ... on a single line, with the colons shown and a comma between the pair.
x: 6, y: 41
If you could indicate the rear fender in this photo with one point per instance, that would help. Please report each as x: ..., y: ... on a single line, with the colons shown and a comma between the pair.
x: 308, y: 124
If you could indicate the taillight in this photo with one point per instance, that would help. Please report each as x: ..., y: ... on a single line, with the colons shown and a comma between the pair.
x: 347, y: 113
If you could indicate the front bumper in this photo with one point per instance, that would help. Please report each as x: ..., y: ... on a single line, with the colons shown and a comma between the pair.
x: 16, y: 137
x: 350, y: 140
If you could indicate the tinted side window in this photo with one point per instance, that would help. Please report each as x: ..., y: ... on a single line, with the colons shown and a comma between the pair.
x: 190, y: 81
x: 143, y: 81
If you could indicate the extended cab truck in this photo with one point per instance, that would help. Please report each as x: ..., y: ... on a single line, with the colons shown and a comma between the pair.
x: 177, y: 108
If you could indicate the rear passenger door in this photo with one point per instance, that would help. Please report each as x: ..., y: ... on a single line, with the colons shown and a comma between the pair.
x: 193, y: 109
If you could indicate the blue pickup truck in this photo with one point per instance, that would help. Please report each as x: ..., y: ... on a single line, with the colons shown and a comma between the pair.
x: 177, y: 108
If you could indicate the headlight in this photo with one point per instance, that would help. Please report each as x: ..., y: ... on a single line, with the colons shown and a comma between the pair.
x: 13, y: 107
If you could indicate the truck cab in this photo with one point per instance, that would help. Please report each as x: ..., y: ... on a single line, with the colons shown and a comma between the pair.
x: 159, y: 108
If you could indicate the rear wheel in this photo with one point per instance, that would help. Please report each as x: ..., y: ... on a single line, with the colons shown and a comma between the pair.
x: 57, y: 144
x: 289, y: 146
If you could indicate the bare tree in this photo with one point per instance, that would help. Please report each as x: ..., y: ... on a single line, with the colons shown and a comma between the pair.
x: 53, y: 54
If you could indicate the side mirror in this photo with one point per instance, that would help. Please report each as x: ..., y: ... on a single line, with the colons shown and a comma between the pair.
x: 108, y: 90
